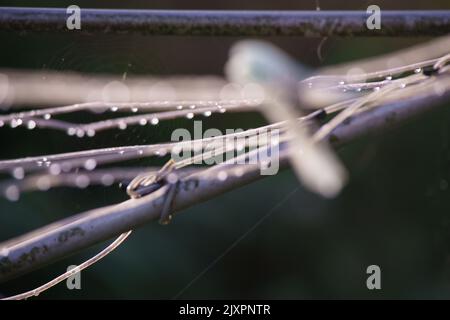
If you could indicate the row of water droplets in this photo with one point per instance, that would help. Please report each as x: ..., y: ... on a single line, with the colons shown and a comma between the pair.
x: 84, y: 130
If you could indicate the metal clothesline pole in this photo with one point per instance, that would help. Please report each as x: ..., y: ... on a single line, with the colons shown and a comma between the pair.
x: 78, y: 232
x: 228, y: 23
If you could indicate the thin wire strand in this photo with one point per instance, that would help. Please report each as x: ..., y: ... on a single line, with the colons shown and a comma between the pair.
x: 68, y: 274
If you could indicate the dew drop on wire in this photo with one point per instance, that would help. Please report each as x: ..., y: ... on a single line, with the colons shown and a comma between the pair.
x: 66, y: 166
x: 122, y: 125
x: 55, y: 169
x: 43, y: 183
x: 18, y: 173
x: 15, y: 123
x: 82, y: 181
x: 12, y: 193
x: 107, y: 179
x: 190, y: 115
x: 90, y: 164
x: 90, y: 133
x: 80, y: 133
x: 154, y: 121
x: 4, y: 252
x: 222, y: 176
x: 71, y: 131
x: 31, y: 124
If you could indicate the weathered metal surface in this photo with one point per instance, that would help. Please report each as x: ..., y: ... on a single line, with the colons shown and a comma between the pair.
x: 228, y: 23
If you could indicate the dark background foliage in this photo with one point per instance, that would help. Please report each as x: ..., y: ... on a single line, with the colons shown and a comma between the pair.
x: 393, y: 213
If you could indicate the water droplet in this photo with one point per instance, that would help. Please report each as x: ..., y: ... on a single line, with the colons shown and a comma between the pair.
x: 15, y: 123
x: 222, y: 176
x: 55, y: 169
x: 47, y: 116
x: 358, y: 89
x: 143, y: 122
x: 121, y: 152
x: 4, y: 251
x: 389, y: 78
x: 341, y: 82
x: 71, y: 131
x: 418, y: 70
x: 161, y: 152
x: 82, y: 181
x: 12, y: 193
x: 179, y: 107
x: 140, y: 152
x: 122, y: 125
x: 107, y: 179
x: 239, y: 172
x: 66, y: 166
x: 90, y: 132
x: 190, y: 115
x: 80, y: 133
x: 207, y: 113
x: 403, y: 85
x: 114, y: 109
x: 172, y: 178
x: 134, y: 110
x: 222, y: 110
x: 31, y: 124
x: 43, y: 183
x: 90, y: 164
x: 18, y: 173
x: 192, y: 107
x: 154, y: 121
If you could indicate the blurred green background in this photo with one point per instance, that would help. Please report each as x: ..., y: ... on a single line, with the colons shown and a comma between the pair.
x: 394, y: 212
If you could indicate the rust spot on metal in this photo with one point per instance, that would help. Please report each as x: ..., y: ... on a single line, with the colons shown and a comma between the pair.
x: 66, y: 235
x: 190, y: 184
x: 8, y: 266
